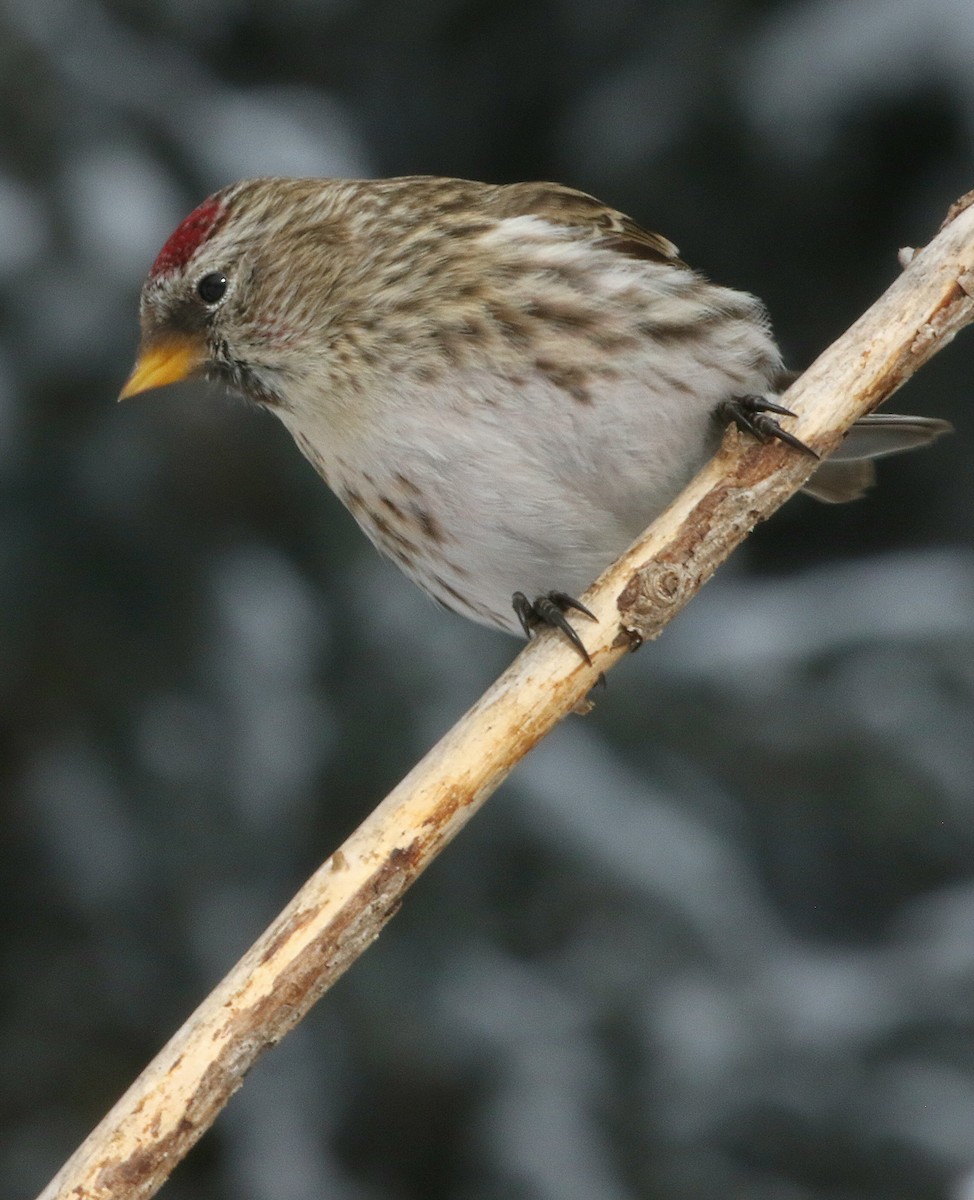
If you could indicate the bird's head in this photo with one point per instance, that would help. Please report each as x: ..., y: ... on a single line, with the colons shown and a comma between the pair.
x: 236, y: 291
x: 187, y: 301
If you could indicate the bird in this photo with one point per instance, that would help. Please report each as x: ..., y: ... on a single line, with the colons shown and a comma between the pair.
x: 503, y: 383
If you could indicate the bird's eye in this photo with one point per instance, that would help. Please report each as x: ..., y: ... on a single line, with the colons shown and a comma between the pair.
x: 212, y: 288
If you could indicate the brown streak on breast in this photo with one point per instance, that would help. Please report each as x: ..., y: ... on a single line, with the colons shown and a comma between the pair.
x: 572, y: 380
x: 430, y: 526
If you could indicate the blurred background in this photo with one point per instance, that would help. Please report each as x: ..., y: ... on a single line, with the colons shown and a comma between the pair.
x: 716, y: 939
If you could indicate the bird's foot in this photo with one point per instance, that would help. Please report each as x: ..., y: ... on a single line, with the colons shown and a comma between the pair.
x: 753, y: 415
x: 549, y: 611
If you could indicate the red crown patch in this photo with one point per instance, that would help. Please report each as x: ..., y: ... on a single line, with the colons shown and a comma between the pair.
x: 184, y: 241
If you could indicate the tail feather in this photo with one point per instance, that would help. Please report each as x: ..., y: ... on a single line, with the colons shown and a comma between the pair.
x: 886, y: 433
x: 837, y: 482
x: 849, y: 470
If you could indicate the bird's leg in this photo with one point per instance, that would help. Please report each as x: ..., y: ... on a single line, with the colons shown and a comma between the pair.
x: 752, y: 414
x: 549, y: 610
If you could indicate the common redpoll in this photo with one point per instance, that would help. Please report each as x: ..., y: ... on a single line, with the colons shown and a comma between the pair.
x: 503, y: 384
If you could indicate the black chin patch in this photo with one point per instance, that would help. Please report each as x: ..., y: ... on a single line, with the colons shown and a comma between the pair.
x: 243, y: 378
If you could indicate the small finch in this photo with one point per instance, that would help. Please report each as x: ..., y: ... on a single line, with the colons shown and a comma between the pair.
x: 503, y: 384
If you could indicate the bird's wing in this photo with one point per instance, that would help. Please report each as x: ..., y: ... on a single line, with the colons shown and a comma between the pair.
x: 592, y: 219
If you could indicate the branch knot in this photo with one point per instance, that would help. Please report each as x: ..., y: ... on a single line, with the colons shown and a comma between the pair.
x: 647, y: 601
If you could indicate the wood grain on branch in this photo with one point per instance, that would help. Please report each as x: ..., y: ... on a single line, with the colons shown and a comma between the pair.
x: 341, y: 909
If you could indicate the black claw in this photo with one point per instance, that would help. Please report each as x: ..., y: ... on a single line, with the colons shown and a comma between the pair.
x: 771, y: 429
x: 751, y: 414
x: 759, y: 404
x: 551, y: 614
x: 564, y: 601
x: 525, y: 612
x: 549, y: 610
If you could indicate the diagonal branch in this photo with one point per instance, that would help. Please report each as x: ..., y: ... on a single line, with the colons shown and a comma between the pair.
x: 341, y: 909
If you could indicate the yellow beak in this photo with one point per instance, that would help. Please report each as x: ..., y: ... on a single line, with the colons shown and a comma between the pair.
x: 164, y: 362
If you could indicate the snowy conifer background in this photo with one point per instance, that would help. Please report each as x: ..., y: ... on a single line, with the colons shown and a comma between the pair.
x: 715, y: 940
